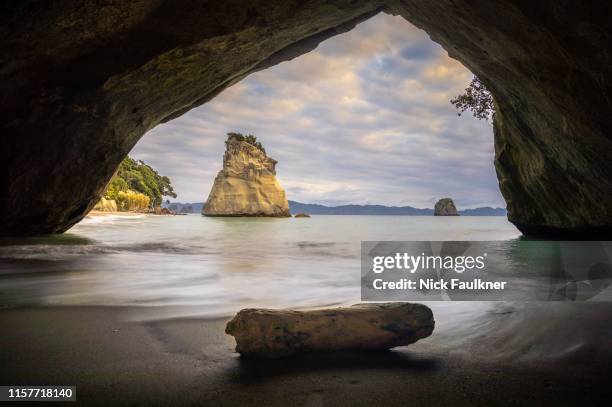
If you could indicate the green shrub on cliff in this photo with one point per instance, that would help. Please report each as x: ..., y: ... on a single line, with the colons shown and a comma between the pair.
x: 476, y: 98
x: 251, y: 139
x: 138, y: 177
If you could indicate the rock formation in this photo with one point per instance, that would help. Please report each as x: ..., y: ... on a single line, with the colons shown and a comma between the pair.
x: 274, y: 333
x: 445, y: 207
x: 162, y: 211
x: 247, y: 184
x: 83, y: 81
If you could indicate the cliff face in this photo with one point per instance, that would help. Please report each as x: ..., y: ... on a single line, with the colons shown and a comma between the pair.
x: 247, y: 184
x: 445, y: 207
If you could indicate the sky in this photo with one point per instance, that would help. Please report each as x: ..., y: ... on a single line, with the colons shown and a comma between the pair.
x: 364, y: 119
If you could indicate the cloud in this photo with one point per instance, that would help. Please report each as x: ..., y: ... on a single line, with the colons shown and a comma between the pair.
x: 364, y: 118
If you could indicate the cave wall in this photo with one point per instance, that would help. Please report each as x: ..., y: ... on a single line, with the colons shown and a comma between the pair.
x: 82, y: 81
x: 548, y: 65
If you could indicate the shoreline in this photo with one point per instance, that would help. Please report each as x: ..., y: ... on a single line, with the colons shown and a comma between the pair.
x: 127, y: 214
x: 95, y: 214
x: 114, y: 359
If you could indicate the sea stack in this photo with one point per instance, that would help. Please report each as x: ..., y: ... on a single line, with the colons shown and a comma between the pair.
x: 247, y: 184
x: 445, y: 207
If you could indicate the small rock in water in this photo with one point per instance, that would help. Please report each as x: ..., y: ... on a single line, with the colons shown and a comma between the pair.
x: 445, y: 207
x: 301, y: 215
x: 276, y: 333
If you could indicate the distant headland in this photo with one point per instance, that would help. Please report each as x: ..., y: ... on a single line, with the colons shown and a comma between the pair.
x: 316, y: 209
x: 136, y: 187
x: 382, y: 210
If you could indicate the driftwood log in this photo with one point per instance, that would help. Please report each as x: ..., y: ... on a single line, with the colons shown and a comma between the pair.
x: 276, y: 333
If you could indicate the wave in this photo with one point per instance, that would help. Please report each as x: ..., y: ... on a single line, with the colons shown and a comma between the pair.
x: 161, y: 247
x: 525, y: 331
x: 59, y: 252
x: 343, y: 250
x: 59, y: 249
x: 93, y: 220
x: 308, y: 244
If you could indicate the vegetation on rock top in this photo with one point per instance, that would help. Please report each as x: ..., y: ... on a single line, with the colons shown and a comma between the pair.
x: 251, y: 139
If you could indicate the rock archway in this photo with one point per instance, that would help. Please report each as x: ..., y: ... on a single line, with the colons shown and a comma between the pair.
x: 82, y: 82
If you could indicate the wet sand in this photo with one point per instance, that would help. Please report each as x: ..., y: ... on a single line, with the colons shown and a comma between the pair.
x: 116, y: 358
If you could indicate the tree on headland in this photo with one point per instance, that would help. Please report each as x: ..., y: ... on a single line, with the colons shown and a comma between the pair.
x: 135, y: 178
x: 251, y: 139
x: 476, y: 98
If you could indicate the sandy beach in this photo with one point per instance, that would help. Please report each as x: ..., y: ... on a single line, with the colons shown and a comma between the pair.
x: 119, y: 356
x: 94, y: 214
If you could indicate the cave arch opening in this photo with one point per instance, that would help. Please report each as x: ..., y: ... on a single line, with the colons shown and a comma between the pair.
x: 82, y: 94
x: 364, y: 118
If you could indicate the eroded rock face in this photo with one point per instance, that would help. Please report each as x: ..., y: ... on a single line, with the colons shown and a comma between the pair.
x: 247, y: 184
x: 275, y: 333
x: 82, y: 81
x: 445, y: 207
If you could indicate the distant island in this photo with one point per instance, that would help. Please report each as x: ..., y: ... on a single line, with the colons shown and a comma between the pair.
x: 316, y: 209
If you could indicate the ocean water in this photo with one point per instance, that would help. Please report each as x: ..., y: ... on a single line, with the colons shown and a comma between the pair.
x: 194, y: 266
x: 216, y: 266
